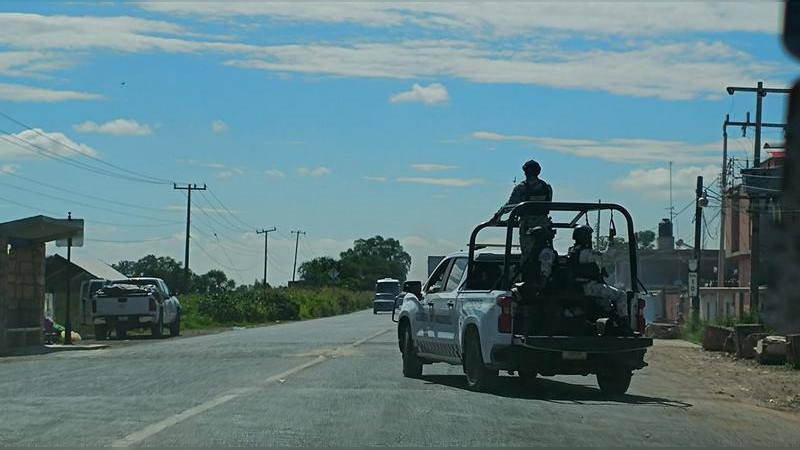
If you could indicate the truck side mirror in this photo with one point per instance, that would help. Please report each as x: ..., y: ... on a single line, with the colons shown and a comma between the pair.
x: 413, y: 287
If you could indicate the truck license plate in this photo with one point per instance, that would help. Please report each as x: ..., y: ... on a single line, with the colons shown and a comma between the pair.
x: 574, y: 356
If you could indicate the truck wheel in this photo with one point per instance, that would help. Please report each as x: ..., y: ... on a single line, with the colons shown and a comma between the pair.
x: 374, y: 311
x: 614, y: 383
x: 479, y: 377
x: 157, y: 329
x: 175, y: 327
x: 527, y: 376
x: 412, y: 366
x: 121, y: 331
x: 100, y: 332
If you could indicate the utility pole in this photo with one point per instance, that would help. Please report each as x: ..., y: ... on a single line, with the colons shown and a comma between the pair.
x: 189, y: 188
x: 296, y: 243
x: 671, y: 208
x: 597, y: 230
x: 67, y: 318
x: 755, y: 201
x: 694, y: 266
x: 266, y: 247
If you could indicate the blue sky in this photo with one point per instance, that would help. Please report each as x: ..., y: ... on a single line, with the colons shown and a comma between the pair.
x: 350, y: 120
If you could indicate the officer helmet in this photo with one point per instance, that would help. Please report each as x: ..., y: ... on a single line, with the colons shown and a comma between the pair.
x: 532, y: 168
x: 582, y: 233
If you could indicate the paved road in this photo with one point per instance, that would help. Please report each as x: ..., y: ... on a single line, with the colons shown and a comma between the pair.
x: 337, y: 382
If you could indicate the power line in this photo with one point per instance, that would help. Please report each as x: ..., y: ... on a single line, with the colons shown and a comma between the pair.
x: 39, y: 150
x: 92, y: 197
x: 87, y: 205
x: 235, y: 216
x: 81, y: 152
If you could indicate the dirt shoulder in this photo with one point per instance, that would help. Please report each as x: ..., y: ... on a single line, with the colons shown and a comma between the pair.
x: 719, y: 375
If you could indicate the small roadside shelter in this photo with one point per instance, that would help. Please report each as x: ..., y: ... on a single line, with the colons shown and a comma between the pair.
x: 22, y: 276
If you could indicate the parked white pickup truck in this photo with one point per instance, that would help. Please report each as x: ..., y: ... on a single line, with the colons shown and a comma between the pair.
x: 124, y: 305
x: 474, y: 311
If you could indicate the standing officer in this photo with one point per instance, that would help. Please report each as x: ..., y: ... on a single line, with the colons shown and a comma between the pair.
x: 533, y: 189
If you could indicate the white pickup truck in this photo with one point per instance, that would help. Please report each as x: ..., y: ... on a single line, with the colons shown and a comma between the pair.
x: 124, y: 305
x: 474, y: 312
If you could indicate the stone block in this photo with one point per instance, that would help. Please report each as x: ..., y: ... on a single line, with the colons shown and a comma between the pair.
x: 740, y: 332
x: 714, y: 337
x: 771, y: 350
x: 749, y: 347
x: 793, y: 350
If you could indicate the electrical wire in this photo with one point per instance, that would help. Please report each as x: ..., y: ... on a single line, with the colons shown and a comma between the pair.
x: 87, y: 205
x: 235, y: 216
x: 81, y: 152
x: 230, y: 225
x: 39, y: 150
x: 58, y: 188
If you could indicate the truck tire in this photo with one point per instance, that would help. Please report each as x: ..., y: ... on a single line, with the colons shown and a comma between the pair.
x: 175, y: 327
x: 100, y: 332
x: 614, y: 383
x: 412, y: 365
x: 374, y: 311
x: 479, y: 377
x: 121, y: 331
x: 157, y: 329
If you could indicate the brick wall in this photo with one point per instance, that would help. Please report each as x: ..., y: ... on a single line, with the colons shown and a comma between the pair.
x: 22, y: 271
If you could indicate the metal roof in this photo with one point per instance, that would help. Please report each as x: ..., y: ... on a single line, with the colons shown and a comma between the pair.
x: 95, y: 267
x: 39, y: 229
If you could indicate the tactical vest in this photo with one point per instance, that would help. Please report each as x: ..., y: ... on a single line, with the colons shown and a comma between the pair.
x: 582, y: 271
x: 537, y: 191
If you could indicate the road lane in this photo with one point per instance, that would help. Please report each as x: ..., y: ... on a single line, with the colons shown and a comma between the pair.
x: 355, y: 395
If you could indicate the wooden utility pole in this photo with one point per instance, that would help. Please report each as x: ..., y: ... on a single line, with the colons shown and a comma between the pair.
x: 266, y: 248
x: 296, y: 244
x: 189, y: 188
x: 755, y: 200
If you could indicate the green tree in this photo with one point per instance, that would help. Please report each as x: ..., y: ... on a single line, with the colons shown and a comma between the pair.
x: 317, y: 271
x: 164, y: 267
x: 371, y: 259
x: 645, y: 239
x: 213, y: 281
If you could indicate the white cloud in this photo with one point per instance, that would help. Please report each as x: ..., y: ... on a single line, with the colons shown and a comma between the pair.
x: 654, y: 183
x: 433, y: 167
x: 31, y: 63
x: 376, y: 179
x: 652, y: 68
x: 617, y: 150
x: 431, y: 95
x: 272, y: 173
x: 196, y: 163
x: 21, y: 93
x: 314, y: 172
x: 33, y: 144
x: 449, y: 182
x: 119, y: 127
x: 230, y: 173
x: 666, y: 71
x: 218, y: 126
x: 507, y: 18
x: 7, y: 168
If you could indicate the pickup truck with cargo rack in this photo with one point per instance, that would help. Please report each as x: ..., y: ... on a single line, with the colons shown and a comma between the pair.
x: 473, y: 311
x: 135, y: 303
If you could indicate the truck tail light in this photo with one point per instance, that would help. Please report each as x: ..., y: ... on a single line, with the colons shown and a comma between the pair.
x: 152, y: 305
x: 94, y: 306
x: 640, y: 322
x: 505, y: 319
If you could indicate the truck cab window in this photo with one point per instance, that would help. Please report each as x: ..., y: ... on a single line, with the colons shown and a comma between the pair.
x: 456, y: 274
x: 436, y: 281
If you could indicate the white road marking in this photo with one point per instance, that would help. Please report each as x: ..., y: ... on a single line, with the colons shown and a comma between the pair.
x: 150, y: 430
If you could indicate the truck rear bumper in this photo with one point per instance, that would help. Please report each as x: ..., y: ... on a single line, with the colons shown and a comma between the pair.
x: 568, y: 355
x: 132, y: 319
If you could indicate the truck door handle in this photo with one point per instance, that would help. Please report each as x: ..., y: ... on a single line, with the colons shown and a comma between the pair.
x: 451, y: 304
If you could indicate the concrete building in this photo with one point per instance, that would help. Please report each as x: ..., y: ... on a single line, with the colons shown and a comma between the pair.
x: 22, y: 277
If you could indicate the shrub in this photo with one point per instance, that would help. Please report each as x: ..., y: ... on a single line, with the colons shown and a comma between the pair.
x: 262, y: 306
